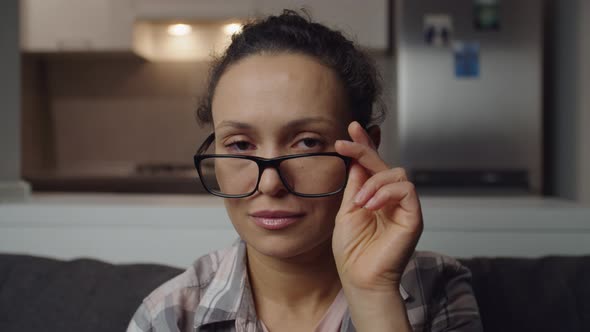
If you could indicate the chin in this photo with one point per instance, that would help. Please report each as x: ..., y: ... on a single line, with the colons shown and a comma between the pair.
x: 282, y: 249
x: 285, y: 245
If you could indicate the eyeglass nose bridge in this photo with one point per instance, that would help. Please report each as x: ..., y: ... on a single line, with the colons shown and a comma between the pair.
x: 274, y: 163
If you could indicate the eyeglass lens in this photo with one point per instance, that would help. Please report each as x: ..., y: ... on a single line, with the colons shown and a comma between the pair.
x: 310, y: 175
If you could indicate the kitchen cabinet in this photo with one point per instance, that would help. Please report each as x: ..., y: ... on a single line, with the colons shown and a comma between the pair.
x: 193, y: 9
x: 74, y: 25
x: 107, y: 25
x: 364, y: 21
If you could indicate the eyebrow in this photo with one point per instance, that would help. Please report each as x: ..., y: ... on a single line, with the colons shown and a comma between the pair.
x: 234, y: 124
x: 293, y: 123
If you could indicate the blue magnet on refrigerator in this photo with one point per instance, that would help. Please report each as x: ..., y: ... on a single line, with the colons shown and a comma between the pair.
x: 466, y: 56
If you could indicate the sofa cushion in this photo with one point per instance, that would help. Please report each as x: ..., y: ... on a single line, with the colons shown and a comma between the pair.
x: 544, y: 294
x: 41, y: 294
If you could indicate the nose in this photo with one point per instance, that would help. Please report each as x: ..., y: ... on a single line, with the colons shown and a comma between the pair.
x: 270, y: 183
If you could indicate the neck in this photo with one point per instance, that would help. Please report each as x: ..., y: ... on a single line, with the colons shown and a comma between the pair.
x: 309, y: 280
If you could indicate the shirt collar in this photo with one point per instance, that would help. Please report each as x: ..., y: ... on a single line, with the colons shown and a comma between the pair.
x: 229, y: 296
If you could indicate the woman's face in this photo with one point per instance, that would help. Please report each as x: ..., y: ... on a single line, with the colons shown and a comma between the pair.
x: 270, y: 106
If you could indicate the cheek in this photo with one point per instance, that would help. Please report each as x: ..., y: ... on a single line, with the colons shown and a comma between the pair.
x: 326, y: 208
x: 235, y: 209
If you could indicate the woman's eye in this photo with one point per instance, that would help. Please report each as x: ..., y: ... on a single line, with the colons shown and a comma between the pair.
x: 238, y: 146
x: 310, y: 143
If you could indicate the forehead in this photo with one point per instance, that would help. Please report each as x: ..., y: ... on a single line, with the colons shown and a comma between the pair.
x: 270, y: 89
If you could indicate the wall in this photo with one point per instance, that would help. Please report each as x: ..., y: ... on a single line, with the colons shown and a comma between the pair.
x: 36, y: 131
x: 9, y: 90
x: 584, y: 91
x: 107, y: 113
x: 10, y: 186
x: 571, y: 103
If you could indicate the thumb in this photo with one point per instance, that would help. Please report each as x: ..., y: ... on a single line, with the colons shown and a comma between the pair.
x: 357, y: 176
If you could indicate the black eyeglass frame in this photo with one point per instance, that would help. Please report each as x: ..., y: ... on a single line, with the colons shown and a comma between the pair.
x: 264, y: 163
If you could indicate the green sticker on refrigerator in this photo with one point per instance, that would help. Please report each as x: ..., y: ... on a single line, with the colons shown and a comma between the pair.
x: 486, y: 14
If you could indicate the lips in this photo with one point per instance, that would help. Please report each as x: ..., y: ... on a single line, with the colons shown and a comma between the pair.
x: 275, y: 220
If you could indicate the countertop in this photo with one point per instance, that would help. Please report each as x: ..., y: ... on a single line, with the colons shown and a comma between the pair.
x: 455, y: 212
x: 175, y: 229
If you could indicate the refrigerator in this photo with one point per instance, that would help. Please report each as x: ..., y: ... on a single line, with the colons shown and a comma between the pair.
x: 469, y: 94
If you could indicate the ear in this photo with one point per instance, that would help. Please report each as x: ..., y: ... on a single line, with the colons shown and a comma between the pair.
x: 375, y: 135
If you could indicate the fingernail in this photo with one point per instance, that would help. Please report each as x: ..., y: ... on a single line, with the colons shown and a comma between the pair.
x: 370, y: 203
x: 345, y: 142
x: 360, y: 196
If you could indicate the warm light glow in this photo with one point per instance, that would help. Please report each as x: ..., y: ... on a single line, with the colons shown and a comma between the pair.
x: 182, y: 40
x: 232, y: 28
x: 179, y: 29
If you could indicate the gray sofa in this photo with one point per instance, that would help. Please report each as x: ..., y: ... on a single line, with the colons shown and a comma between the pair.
x: 42, y: 294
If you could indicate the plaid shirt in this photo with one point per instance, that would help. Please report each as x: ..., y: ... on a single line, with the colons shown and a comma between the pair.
x: 214, y: 295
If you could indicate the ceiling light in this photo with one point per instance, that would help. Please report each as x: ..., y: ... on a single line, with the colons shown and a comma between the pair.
x: 179, y: 29
x: 232, y: 28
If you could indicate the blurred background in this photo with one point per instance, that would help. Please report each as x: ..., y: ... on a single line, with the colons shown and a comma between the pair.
x: 485, y: 98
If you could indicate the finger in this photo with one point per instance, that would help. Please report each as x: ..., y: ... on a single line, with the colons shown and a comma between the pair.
x: 363, y: 154
x: 359, y: 134
x: 374, y: 183
x: 399, y: 193
x: 357, y: 175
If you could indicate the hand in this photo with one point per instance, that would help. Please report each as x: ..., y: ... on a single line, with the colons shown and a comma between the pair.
x: 379, y: 222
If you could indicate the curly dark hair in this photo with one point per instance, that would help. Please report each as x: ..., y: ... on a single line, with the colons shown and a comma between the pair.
x: 291, y: 32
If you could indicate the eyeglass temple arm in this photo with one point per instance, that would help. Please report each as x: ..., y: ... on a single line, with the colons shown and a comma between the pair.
x: 206, y: 144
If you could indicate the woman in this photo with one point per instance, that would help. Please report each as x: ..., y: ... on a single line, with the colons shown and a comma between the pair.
x: 327, y: 229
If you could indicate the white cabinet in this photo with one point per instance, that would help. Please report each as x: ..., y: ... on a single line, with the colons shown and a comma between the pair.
x: 76, y: 25
x: 193, y: 9
x: 107, y: 25
x: 364, y: 21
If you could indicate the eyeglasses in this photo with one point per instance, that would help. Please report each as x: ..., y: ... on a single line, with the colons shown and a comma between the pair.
x: 306, y: 175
